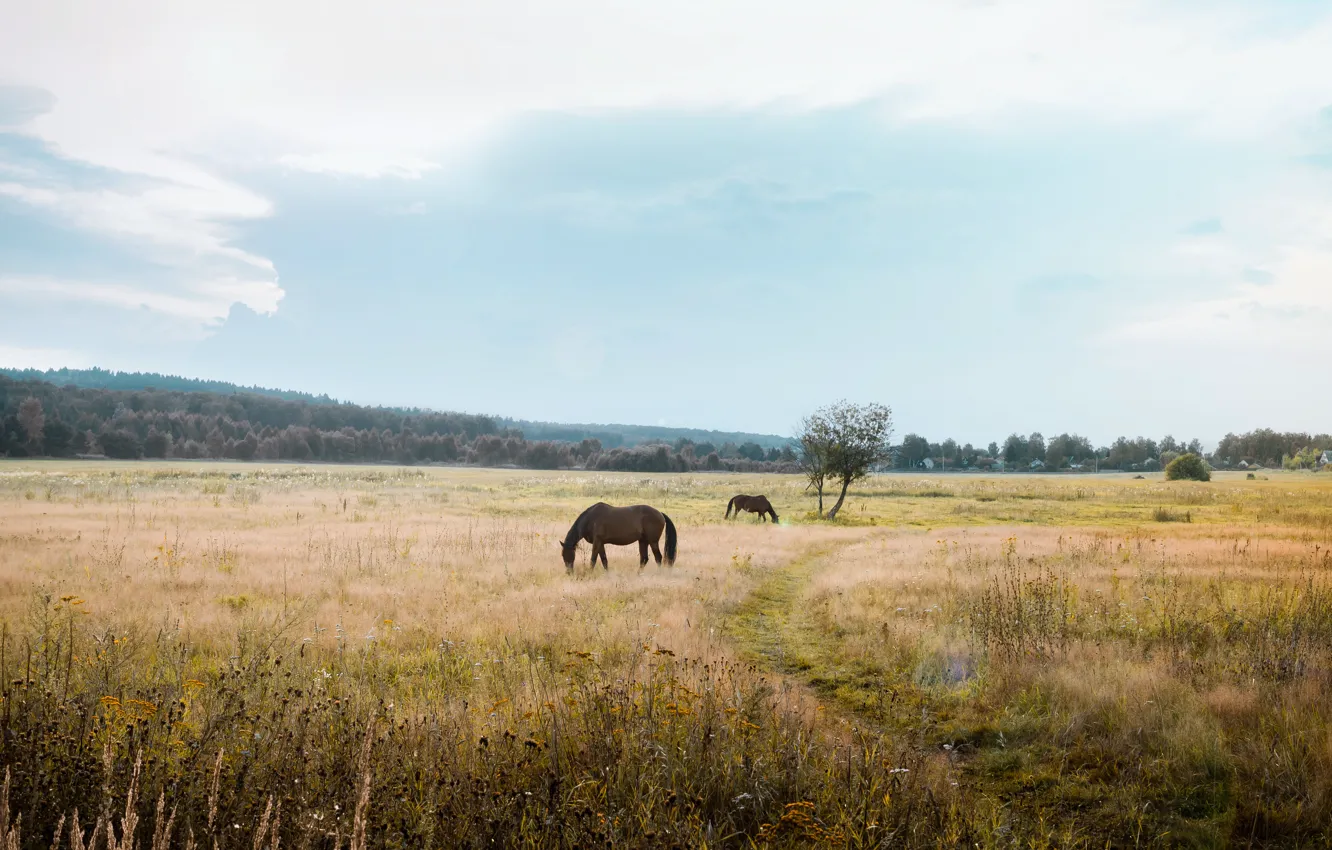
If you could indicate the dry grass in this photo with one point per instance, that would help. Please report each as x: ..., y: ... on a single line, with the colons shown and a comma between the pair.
x: 380, y: 656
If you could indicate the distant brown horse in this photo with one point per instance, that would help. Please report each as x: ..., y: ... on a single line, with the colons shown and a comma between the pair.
x: 603, y: 523
x: 754, y: 504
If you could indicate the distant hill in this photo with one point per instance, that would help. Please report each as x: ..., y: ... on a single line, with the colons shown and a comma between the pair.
x: 610, y: 436
x: 103, y: 379
x: 613, y: 436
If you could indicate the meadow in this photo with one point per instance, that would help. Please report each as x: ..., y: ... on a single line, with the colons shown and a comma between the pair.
x: 246, y: 655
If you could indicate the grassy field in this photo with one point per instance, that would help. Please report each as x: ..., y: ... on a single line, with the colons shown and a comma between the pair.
x: 237, y: 655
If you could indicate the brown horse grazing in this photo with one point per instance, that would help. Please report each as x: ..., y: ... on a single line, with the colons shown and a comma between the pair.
x: 603, y: 523
x: 754, y: 504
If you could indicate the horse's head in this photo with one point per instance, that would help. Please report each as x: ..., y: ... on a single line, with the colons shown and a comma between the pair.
x: 567, y: 551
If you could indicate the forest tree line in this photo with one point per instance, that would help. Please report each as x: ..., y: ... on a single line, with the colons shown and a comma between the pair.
x: 1262, y: 447
x: 39, y: 419
x: 610, y: 436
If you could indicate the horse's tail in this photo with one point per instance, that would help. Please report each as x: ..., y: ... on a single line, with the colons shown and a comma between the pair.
x: 731, y: 504
x: 670, y: 540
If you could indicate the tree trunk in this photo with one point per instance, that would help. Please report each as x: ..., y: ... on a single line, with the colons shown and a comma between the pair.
x: 832, y: 514
x: 820, y: 500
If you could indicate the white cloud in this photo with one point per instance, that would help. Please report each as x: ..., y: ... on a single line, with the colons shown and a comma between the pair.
x: 149, y: 88
x: 1292, y: 313
x: 384, y: 91
x: 178, y: 221
x: 1287, y: 233
x: 172, y: 214
x: 1267, y: 277
x: 368, y: 165
x: 202, y: 302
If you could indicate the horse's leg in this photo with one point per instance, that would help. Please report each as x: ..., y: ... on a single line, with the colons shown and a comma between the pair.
x: 656, y: 553
x: 642, y: 552
x: 605, y: 565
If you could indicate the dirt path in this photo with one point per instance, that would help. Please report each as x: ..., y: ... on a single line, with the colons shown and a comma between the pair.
x: 776, y: 627
x: 767, y: 624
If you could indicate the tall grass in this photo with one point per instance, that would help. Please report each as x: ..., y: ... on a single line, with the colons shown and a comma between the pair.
x: 441, y: 746
x: 1175, y: 689
x: 333, y: 657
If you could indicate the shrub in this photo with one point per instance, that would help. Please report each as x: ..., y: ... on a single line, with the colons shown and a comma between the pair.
x: 1188, y: 467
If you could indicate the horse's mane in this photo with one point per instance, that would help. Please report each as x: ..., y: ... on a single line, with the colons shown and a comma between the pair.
x: 576, y: 530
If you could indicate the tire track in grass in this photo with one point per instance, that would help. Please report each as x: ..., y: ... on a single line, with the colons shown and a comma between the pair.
x: 775, y: 627
x: 761, y: 622
x: 779, y: 628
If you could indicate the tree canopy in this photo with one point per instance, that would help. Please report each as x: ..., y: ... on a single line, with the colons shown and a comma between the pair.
x: 843, y: 442
x: 1187, y: 467
x: 41, y: 419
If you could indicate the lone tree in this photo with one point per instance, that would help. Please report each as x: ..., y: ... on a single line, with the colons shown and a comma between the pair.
x: 1187, y: 467
x: 860, y: 442
x: 842, y: 442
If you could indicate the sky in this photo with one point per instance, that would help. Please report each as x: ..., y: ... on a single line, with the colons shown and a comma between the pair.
x: 1105, y: 217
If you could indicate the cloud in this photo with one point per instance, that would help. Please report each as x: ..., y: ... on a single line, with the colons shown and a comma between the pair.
x: 203, y: 302
x: 752, y: 201
x: 168, y: 97
x: 927, y: 158
x: 365, y: 165
x: 20, y: 104
x: 176, y: 223
x: 170, y: 214
x: 1261, y: 284
x: 1290, y: 311
x: 392, y: 92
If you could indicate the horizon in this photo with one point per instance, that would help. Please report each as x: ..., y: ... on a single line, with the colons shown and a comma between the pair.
x: 1114, y: 219
x: 897, y: 435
